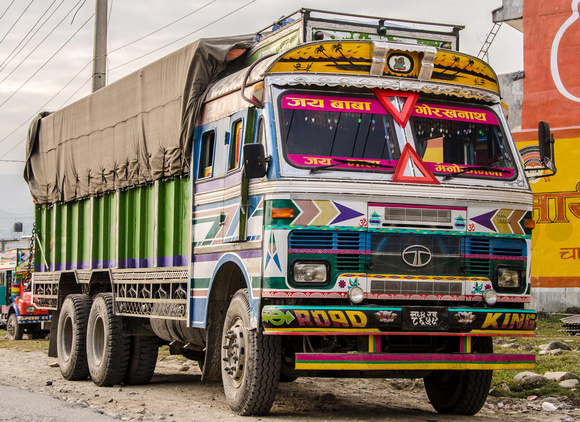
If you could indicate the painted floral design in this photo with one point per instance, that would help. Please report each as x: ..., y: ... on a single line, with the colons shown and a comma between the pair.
x: 465, y: 317
x: 386, y: 316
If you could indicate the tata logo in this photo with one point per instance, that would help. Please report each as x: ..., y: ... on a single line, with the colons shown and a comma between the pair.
x: 417, y: 256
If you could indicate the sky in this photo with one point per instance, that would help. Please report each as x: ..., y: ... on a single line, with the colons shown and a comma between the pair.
x: 46, y: 46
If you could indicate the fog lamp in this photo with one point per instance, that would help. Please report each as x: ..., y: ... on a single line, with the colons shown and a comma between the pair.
x: 356, y: 294
x: 490, y: 297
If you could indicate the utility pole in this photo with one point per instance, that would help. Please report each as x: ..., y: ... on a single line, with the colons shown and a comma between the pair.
x: 100, y: 46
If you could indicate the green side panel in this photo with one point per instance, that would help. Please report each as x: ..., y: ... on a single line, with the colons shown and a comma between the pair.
x: 173, y: 217
x: 43, y: 216
x: 136, y: 227
x: 104, y: 231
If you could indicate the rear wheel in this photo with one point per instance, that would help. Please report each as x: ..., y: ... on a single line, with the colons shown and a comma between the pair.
x: 250, y: 361
x: 107, y: 348
x: 142, y: 360
x: 14, y: 329
x: 461, y: 392
x: 71, y: 337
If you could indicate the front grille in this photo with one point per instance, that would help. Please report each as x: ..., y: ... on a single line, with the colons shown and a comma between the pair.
x: 387, y: 254
x: 482, y: 251
x: 417, y: 287
x: 340, y: 240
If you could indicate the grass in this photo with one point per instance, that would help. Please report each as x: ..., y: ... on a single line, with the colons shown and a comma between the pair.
x: 547, y: 331
x: 569, y: 361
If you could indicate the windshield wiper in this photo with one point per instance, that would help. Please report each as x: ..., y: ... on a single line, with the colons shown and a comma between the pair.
x: 466, y: 169
x: 339, y: 161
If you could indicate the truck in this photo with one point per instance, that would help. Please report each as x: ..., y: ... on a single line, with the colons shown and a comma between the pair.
x: 18, y: 313
x: 335, y: 195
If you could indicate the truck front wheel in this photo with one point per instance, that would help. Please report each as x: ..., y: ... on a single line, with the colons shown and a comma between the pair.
x: 250, y: 361
x: 14, y: 330
x: 107, y: 348
x: 461, y: 392
x: 71, y: 337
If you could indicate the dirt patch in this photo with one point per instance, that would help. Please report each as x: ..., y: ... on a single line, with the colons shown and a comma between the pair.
x: 177, y: 394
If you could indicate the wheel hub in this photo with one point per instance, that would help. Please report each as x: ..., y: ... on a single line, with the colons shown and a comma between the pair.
x: 234, y: 351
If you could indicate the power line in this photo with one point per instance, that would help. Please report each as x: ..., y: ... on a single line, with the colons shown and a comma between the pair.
x: 185, y: 36
x: 17, y: 20
x: 41, y: 42
x: 162, y: 28
x: 12, y: 55
x: 7, y: 9
x: 45, y: 63
x: 45, y: 104
x: 85, y: 66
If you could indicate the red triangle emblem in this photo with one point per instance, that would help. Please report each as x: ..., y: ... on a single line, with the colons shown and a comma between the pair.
x: 410, y: 98
x: 410, y: 154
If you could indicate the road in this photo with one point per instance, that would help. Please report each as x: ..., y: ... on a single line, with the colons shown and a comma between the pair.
x: 38, y: 393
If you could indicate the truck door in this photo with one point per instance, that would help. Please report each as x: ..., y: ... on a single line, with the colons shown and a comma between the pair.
x: 235, y: 209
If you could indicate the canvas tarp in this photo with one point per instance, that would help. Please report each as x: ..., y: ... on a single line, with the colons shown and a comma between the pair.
x: 131, y: 132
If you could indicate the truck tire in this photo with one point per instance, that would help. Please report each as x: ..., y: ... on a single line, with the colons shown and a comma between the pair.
x: 250, y: 361
x: 71, y: 337
x: 14, y: 329
x: 461, y: 392
x: 142, y: 359
x: 107, y: 348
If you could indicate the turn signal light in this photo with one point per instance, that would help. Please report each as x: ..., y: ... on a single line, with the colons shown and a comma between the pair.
x: 530, y: 224
x: 283, y: 213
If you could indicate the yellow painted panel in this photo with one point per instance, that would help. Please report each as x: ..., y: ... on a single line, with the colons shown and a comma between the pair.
x: 458, y: 68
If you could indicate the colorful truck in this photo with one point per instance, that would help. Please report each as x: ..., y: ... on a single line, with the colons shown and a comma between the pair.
x: 18, y: 313
x: 336, y: 195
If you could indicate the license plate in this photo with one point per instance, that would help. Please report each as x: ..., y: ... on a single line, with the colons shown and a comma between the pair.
x: 425, y: 318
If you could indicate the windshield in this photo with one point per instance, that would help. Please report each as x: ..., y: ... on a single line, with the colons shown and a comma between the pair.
x: 338, y: 131
x: 357, y: 132
x: 461, y: 141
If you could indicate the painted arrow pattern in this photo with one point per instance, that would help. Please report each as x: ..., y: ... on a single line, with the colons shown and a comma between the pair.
x: 322, y: 213
x: 502, y: 221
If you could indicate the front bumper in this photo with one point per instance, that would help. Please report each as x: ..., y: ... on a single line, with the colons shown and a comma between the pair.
x: 33, y: 319
x: 411, y: 361
x: 406, y: 320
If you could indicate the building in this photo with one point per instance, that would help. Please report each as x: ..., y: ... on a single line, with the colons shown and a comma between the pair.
x: 551, y: 92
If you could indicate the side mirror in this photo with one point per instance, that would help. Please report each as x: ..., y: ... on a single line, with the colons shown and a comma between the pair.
x: 255, y: 161
x: 545, y: 141
x: 546, y: 147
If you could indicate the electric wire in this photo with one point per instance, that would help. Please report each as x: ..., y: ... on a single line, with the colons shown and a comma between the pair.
x: 17, y: 20
x: 117, y: 49
x: 45, y: 63
x: 3, y: 13
x: 12, y: 54
x: 84, y: 67
x: 41, y: 42
x: 185, y: 36
x: 162, y: 28
x: 39, y: 110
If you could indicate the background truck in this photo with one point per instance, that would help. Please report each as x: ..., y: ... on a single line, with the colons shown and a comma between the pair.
x: 18, y: 313
x: 336, y: 195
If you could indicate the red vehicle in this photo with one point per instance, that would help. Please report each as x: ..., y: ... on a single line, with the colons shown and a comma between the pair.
x: 18, y: 313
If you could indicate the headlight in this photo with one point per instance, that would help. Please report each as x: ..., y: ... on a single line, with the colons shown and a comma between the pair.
x: 509, y: 279
x: 310, y: 272
x: 29, y: 309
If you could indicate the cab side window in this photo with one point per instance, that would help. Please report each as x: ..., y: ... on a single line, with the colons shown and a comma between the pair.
x: 235, y: 145
x: 207, y: 154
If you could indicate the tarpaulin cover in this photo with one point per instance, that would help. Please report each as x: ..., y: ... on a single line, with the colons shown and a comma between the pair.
x: 131, y: 132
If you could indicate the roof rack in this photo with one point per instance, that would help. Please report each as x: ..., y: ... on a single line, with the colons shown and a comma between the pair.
x: 306, y: 25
